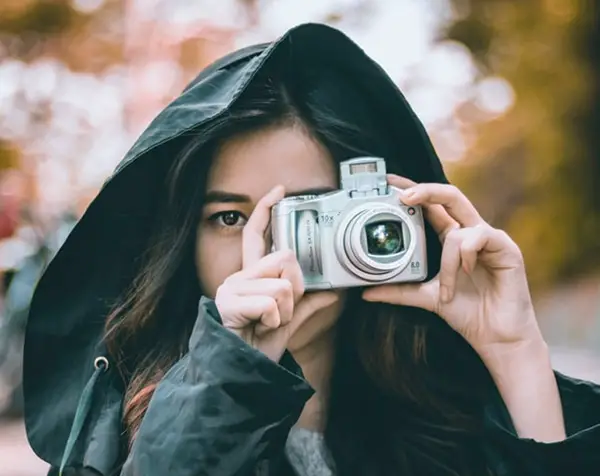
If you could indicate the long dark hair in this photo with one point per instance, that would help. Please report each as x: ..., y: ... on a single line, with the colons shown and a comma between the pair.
x: 406, y: 392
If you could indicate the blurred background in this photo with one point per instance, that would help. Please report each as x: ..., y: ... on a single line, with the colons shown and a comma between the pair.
x: 509, y: 91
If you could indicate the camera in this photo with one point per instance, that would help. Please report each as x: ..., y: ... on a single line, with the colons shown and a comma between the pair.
x: 359, y: 235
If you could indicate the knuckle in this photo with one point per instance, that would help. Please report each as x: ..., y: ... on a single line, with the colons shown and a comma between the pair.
x: 504, y: 236
x: 453, y: 236
x: 467, y: 247
x: 288, y: 255
x: 512, y: 245
x: 485, y: 228
x: 453, y: 190
x: 473, y: 234
x: 228, y: 283
x: 223, y: 305
x: 271, y: 305
x: 221, y: 293
x: 445, y: 232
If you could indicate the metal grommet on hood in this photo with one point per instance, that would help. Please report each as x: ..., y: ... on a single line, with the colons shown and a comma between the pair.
x: 81, y: 412
x: 101, y: 363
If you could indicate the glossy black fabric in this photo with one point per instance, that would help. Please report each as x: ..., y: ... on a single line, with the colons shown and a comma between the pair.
x: 224, y: 409
x: 233, y: 422
x: 236, y: 407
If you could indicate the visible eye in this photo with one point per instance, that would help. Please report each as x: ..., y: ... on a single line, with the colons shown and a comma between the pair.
x: 228, y: 219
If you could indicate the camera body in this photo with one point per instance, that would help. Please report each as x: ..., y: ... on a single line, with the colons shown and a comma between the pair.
x: 359, y: 235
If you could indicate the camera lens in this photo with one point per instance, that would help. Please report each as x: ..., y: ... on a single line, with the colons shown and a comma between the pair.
x: 384, y: 238
x: 376, y: 241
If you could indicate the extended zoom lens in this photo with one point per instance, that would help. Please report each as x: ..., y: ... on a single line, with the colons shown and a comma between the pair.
x: 376, y: 241
x: 384, y: 238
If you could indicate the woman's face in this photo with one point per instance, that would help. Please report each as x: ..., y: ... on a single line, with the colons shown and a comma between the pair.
x: 244, y: 170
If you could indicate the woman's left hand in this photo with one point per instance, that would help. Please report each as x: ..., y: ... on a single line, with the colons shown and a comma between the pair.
x: 481, y: 290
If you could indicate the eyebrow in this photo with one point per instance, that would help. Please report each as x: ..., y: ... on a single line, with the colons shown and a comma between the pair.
x: 220, y: 196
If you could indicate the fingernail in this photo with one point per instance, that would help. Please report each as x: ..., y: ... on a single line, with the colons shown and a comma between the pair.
x: 367, y: 296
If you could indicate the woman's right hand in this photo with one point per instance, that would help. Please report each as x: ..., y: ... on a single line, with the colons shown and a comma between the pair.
x: 264, y: 303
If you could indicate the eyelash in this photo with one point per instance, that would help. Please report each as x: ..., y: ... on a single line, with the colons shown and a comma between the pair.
x: 217, y: 220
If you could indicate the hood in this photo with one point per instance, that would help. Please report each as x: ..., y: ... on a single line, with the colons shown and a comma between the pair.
x: 71, y: 301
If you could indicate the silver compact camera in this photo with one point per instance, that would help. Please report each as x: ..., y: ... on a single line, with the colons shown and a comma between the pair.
x: 359, y: 235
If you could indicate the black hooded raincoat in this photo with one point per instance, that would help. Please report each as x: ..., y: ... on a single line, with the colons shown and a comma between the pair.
x: 224, y: 409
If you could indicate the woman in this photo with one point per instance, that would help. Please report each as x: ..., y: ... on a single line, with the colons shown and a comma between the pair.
x: 126, y: 374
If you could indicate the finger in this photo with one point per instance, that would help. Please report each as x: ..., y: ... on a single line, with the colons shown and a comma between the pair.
x: 439, y: 219
x: 451, y: 198
x: 270, y: 316
x: 281, y: 264
x: 436, y: 215
x: 422, y: 295
x: 260, y: 329
x: 253, y: 236
x: 309, y: 305
x: 482, y: 238
x: 470, y: 248
x: 257, y: 309
x: 400, y: 182
x: 279, y: 289
x: 450, y: 264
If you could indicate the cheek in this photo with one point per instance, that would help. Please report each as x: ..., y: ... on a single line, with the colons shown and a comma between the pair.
x: 217, y: 258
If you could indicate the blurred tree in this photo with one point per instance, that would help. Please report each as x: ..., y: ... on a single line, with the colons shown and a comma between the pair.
x: 87, y: 42
x: 155, y: 58
x: 535, y: 171
x: 81, y: 39
x: 9, y: 155
x: 9, y: 203
x: 84, y: 39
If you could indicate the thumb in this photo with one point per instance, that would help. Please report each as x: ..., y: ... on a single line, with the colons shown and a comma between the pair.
x: 423, y: 295
x: 309, y: 305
